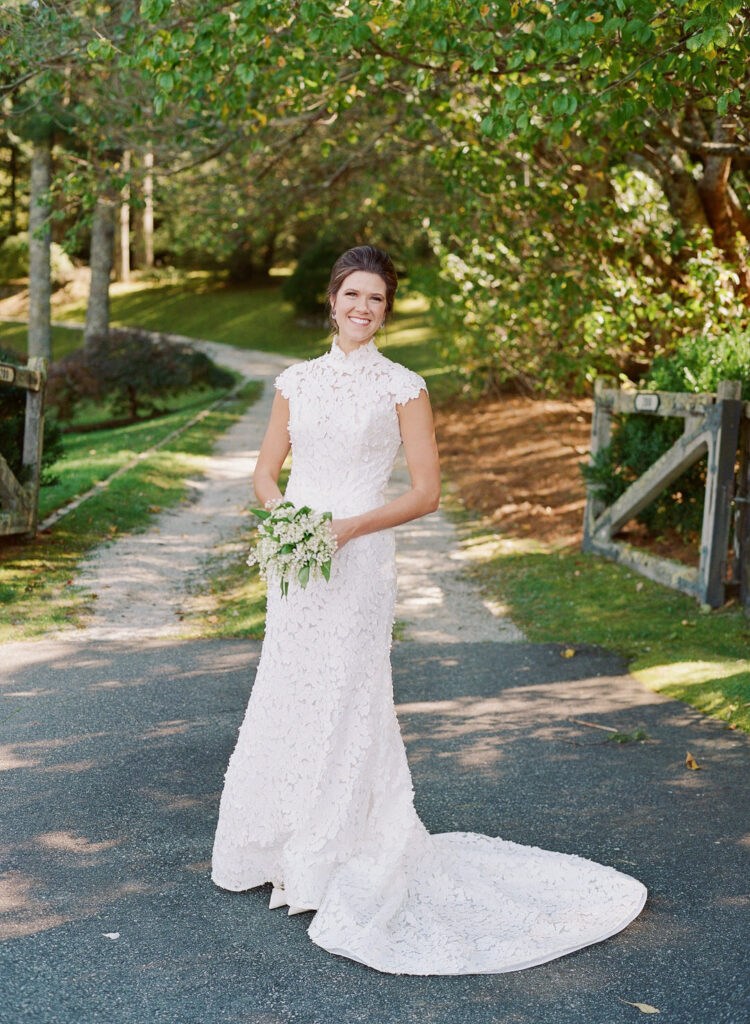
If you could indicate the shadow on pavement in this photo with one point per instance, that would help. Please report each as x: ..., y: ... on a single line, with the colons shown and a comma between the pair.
x: 111, y: 764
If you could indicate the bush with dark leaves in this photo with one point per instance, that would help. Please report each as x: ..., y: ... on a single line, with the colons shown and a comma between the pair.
x: 133, y: 371
x: 306, y: 286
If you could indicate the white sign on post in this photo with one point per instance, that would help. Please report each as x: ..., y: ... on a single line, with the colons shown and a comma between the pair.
x: 646, y: 402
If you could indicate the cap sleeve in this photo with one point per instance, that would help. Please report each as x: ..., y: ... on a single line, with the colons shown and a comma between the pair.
x: 287, y: 381
x: 407, y: 385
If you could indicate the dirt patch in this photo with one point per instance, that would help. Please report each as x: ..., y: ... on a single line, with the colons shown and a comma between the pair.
x: 516, y: 460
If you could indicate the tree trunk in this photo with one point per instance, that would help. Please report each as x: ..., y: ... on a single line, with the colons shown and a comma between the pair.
x: 122, y: 234
x: 102, y: 239
x: 40, y: 327
x: 13, y: 188
x: 269, y: 249
x: 144, y: 240
x: 713, y: 187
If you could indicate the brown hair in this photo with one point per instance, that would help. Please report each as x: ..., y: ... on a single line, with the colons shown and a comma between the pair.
x: 371, y: 260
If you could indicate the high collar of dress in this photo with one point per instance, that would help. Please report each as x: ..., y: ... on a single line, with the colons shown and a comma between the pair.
x: 363, y: 355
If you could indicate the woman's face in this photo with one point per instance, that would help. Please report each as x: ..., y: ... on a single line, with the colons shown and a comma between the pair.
x: 359, y: 307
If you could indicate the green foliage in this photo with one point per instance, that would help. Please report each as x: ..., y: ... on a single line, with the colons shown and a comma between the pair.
x: 14, y: 260
x: 12, y: 419
x: 133, y: 371
x: 556, y: 151
x: 306, y: 287
x: 697, y: 365
x: 528, y: 298
x: 700, y: 363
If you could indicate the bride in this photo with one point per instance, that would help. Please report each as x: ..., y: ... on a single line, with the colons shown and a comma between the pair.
x: 318, y: 797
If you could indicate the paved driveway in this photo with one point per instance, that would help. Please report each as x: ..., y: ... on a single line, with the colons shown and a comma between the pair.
x: 113, y: 756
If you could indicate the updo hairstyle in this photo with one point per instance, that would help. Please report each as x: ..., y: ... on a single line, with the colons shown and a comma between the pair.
x: 369, y: 259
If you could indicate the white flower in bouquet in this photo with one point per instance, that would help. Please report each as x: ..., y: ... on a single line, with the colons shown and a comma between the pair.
x: 293, y: 544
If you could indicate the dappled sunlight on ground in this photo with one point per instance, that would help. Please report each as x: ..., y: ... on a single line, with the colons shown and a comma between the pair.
x: 161, y: 730
x: 123, y: 849
x: 686, y: 673
x: 70, y: 843
x: 21, y: 913
x: 123, y: 812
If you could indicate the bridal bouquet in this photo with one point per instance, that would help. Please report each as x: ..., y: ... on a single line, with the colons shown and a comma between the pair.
x: 294, y: 544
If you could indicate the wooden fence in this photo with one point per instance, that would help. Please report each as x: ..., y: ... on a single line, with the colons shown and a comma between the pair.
x: 19, y: 501
x: 716, y: 425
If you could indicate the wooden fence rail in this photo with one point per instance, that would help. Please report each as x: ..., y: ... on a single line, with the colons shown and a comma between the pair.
x: 19, y: 502
x: 716, y: 425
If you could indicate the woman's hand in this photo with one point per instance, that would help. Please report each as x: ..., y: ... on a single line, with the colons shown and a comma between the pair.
x: 344, y: 530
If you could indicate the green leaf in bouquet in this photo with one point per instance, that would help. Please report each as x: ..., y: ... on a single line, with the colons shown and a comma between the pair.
x: 284, y: 588
x: 304, y: 575
x: 328, y: 515
x: 304, y: 511
x: 326, y: 569
x: 287, y: 549
x: 261, y: 513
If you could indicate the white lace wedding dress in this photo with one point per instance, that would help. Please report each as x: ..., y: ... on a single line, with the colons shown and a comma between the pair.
x: 318, y: 795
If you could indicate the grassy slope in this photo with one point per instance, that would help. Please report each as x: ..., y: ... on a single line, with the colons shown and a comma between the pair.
x: 93, y: 456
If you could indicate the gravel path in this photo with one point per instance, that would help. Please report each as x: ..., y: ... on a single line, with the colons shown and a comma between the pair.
x: 139, y: 580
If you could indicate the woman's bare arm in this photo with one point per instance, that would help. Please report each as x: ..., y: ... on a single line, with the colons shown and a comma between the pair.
x: 420, y: 448
x: 273, y: 451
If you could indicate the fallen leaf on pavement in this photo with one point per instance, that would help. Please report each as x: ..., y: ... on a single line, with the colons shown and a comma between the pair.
x: 568, y: 652
x: 643, y: 1007
x: 111, y: 935
x: 691, y: 763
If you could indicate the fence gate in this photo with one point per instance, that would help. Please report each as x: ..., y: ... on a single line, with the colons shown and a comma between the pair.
x: 717, y: 425
x: 19, y: 502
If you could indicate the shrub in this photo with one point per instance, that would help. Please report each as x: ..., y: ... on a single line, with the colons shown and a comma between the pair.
x: 12, y: 417
x: 14, y: 260
x: 306, y: 286
x: 697, y: 365
x: 132, y: 370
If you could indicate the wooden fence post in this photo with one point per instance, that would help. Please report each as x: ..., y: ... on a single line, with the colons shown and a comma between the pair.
x: 717, y: 510
x: 33, y: 438
x: 601, y: 436
x: 742, y: 499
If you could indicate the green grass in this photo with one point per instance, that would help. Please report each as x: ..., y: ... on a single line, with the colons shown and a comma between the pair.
x: 565, y: 596
x: 232, y: 603
x: 92, y: 456
x: 37, y: 588
x: 64, y: 339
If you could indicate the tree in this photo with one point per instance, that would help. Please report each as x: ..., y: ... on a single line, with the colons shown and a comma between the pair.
x: 591, y: 157
x: 40, y: 326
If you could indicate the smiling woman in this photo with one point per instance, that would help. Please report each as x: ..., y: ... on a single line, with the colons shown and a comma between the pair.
x: 362, y: 289
x: 318, y: 798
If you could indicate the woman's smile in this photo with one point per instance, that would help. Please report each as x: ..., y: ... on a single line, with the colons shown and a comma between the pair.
x: 359, y: 308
